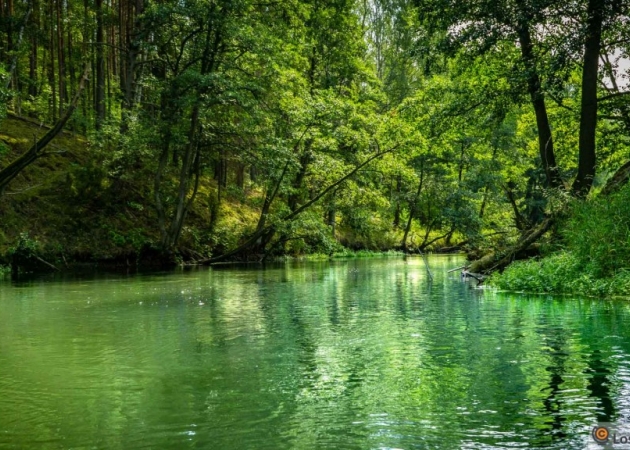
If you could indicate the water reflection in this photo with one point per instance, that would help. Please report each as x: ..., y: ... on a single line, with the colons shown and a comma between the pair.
x: 599, y: 385
x: 342, y: 354
x: 553, y: 401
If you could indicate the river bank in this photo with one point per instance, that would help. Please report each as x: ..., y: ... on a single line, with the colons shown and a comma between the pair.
x: 70, y: 209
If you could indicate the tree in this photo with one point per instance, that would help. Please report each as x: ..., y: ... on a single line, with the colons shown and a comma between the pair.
x: 478, y: 27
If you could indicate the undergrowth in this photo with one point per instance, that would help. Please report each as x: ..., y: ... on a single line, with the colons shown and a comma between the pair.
x: 596, y: 256
x: 561, y: 273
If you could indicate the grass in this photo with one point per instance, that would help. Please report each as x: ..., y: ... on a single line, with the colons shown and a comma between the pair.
x: 561, y: 273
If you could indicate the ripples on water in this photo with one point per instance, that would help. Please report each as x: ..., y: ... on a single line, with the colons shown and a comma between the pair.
x: 348, y: 354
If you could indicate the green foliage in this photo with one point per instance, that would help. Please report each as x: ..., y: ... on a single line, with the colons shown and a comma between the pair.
x: 25, y: 247
x: 227, y: 117
x: 4, y: 149
x: 4, y: 93
x: 598, y: 233
x: 87, y: 181
x: 561, y: 273
x: 597, y: 259
x: 134, y: 239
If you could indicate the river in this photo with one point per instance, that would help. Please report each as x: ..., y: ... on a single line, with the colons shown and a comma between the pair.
x: 356, y: 354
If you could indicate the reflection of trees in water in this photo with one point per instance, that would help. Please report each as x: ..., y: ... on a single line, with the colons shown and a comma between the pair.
x: 557, y: 411
x: 307, y: 347
x: 599, y: 385
x: 557, y: 342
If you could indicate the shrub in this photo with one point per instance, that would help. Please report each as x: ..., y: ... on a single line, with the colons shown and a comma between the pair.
x: 561, y: 273
x: 598, y: 233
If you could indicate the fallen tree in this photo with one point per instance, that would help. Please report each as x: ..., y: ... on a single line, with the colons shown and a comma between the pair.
x: 499, y: 260
x: 36, y: 151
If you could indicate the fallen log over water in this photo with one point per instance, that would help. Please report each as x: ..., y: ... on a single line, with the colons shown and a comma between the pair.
x: 499, y: 260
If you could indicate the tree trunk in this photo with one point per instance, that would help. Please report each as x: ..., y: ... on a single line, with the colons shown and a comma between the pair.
x: 63, y: 94
x: 482, y: 208
x: 132, y: 31
x: 519, y: 220
x: 460, y: 171
x: 545, y: 138
x: 157, y: 183
x: 214, y: 205
x: 99, y: 98
x: 588, y: 111
x: 221, y: 169
x: 253, y: 174
x: 305, y: 159
x: 87, y: 98
x: 498, y: 261
x: 51, y: 72
x: 19, y: 41
x: 190, y: 166
x: 332, y: 218
x: 618, y: 180
x: 397, y: 210
x: 412, y: 210
x: 70, y: 68
x: 240, y: 175
x: 32, y: 61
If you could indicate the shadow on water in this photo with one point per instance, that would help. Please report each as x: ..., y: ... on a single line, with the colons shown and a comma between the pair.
x: 91, y: 273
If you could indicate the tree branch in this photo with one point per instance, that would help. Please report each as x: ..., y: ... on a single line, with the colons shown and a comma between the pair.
x: 613, y: 95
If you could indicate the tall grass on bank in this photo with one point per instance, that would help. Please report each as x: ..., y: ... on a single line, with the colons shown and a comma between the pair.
x: 596, y: 259
x: 561, y: 273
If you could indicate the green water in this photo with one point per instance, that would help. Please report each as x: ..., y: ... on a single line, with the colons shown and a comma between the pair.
x: 346, y: 354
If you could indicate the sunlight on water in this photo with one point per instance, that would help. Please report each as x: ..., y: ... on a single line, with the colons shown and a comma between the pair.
x: 346, y: 354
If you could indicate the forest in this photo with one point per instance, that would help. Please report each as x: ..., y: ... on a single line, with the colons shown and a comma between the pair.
x: 200, y: 131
